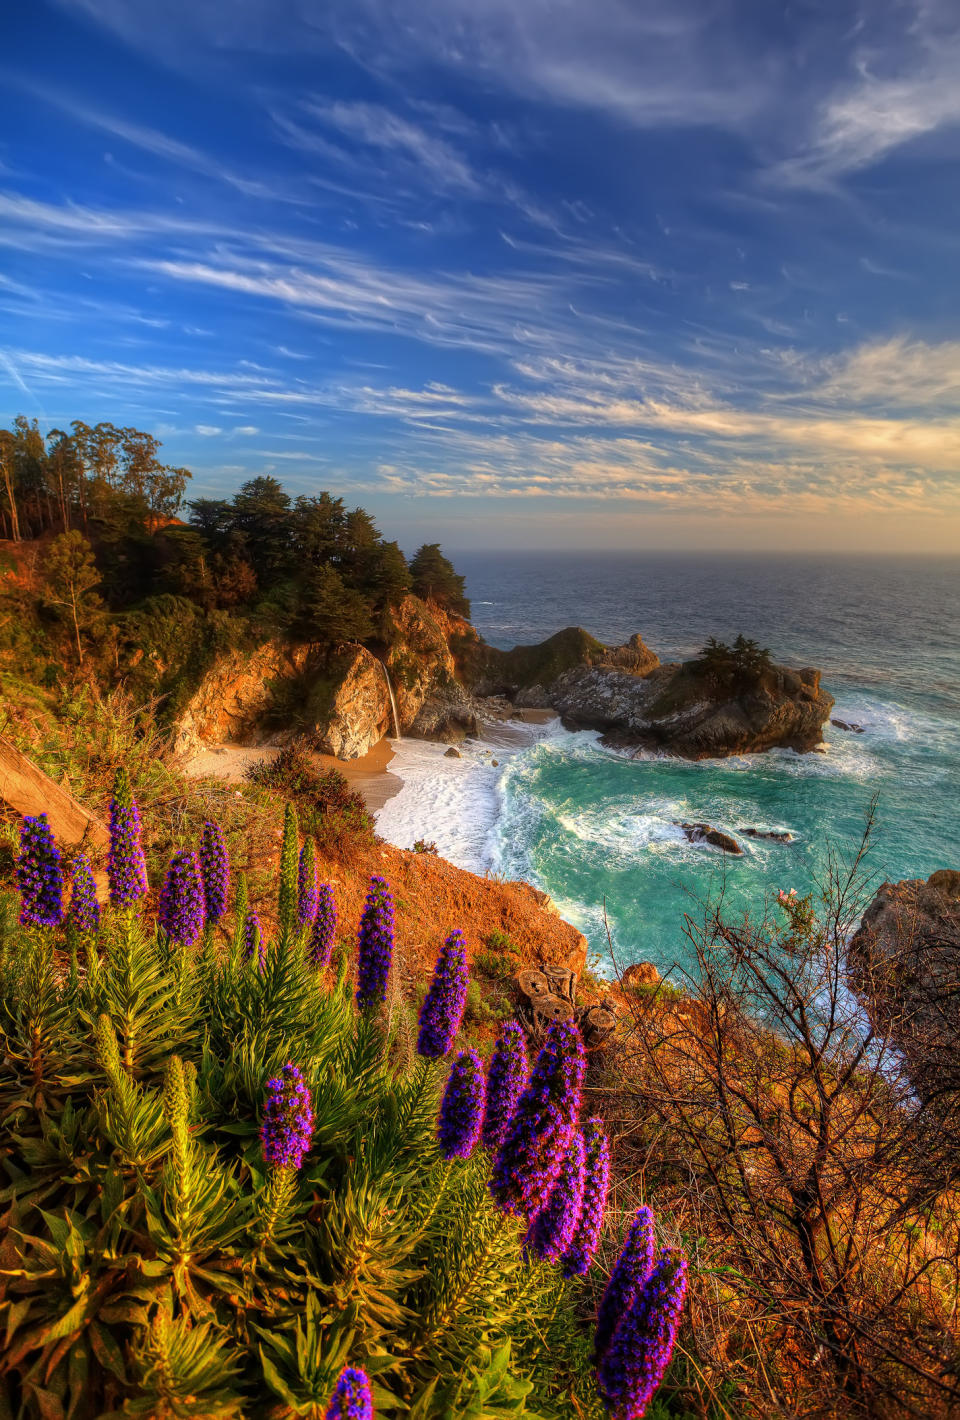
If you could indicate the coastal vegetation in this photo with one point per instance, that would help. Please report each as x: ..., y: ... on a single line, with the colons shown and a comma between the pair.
x: 235, y: 1186
x: 104, y: 572
x: 246, y: 1192
x: 779, y: 1144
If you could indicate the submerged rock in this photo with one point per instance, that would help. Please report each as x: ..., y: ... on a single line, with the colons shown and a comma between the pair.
x: 850, y: 725
x: 452, y: 753
x: 705, y: 833
x: 775, y: 835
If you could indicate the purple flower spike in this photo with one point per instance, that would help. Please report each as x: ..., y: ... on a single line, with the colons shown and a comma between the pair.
x: 307, y: 896
x: 461, y: 1109
x: 39, y: 875
x: 375, y: 945
x: 180, y: 909
x: 287, y: 1120
x: 644, y: 1340
x: 536, y: 1140
x: 324, y: 932
x: 506, y: 1080
x: 442, y: 1009
x: 253, y: 940
x: 551, y: 1231
x: 351, y: 1399
x: 214, y: 872
x: 126, y: 868
x: 83, y: 914
x: 580, y: 1253
x: 627, y: 1280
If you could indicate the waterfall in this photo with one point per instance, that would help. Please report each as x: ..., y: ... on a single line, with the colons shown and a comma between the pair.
x: 393, y: 703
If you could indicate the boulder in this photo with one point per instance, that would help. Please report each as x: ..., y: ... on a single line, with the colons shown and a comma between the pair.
x: 704, y: 833
x: 349, y: 709
x: 775, y: 835
x: 641, y: 973
x: 904, y: 964
x: 452, y: 753
x: 850, y: 725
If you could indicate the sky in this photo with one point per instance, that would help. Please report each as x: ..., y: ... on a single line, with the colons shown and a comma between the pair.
x: 640, y: 274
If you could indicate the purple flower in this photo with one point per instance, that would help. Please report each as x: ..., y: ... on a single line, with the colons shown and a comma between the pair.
x: 642, y: 1344
x: 83, y: 914
x: 126, y: 868
x: 627, y: 1280
x: 180, y: 909
x: 287, y: 1120
x: 324, y: 931
x: 375, y: 945
x: 253, y: 940
x: 507, y: 1078
x: 39, y: 874
x: 536, y: 1140
x: 442, y: 1009
x: 352, y: 1399
x: 214, y: 872
x: 552, y: 1230
x: 580, y: 1252
x: 307, y: 896
x: 461, y: 1109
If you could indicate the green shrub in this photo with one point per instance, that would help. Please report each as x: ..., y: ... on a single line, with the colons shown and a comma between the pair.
x: 154, y: 1266
x: 329, y: 808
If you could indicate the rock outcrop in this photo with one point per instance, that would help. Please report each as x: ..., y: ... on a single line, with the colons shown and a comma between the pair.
x: 446, y: 682
x: 904, y: 964
x: 340, y: 701
x: 526, y: 675
x: 705, y: 833
x: 233, y: 700
x: 349, y: 708
x: 679, y: 710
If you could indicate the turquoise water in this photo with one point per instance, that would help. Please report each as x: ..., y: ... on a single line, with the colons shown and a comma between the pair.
x: 599, y: 831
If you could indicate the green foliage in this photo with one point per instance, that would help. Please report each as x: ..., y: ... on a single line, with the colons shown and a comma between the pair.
x: 500, y: 956
x: 741, y: 665
x: 435, y: 579
x: 330, y: 810
x: 151, y: 1265
x: 70, y: 576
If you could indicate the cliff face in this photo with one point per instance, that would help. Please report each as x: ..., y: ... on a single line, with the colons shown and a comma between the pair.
x: 904, y: 963
x: 441, y: 673
x: 341, y: 701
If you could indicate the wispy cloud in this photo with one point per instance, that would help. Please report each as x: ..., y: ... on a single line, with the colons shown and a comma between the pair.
x: 159, y: 145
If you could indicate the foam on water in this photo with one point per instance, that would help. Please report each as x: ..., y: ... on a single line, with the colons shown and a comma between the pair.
x: 600, y: 831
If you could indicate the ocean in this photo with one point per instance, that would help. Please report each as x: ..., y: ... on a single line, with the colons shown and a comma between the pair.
x: 599, y: 831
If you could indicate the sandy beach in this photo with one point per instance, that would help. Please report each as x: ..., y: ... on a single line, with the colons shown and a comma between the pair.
x: 369, y: 774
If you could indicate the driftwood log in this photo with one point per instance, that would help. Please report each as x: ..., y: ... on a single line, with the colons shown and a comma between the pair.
x: 27, y: 790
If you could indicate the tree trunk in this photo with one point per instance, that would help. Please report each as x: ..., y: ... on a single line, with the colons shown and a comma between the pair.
x: 76, y: 626
x: 14, y: 520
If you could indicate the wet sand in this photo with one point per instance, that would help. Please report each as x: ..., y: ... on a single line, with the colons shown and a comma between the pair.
x: 369, y: 774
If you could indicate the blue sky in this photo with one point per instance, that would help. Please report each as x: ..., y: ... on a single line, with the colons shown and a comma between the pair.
x: 665, y: 273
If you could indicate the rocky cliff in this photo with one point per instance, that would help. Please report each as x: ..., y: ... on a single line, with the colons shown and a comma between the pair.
x: 340, y: 701
x: 445, y: 680
x: 904, y: 964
